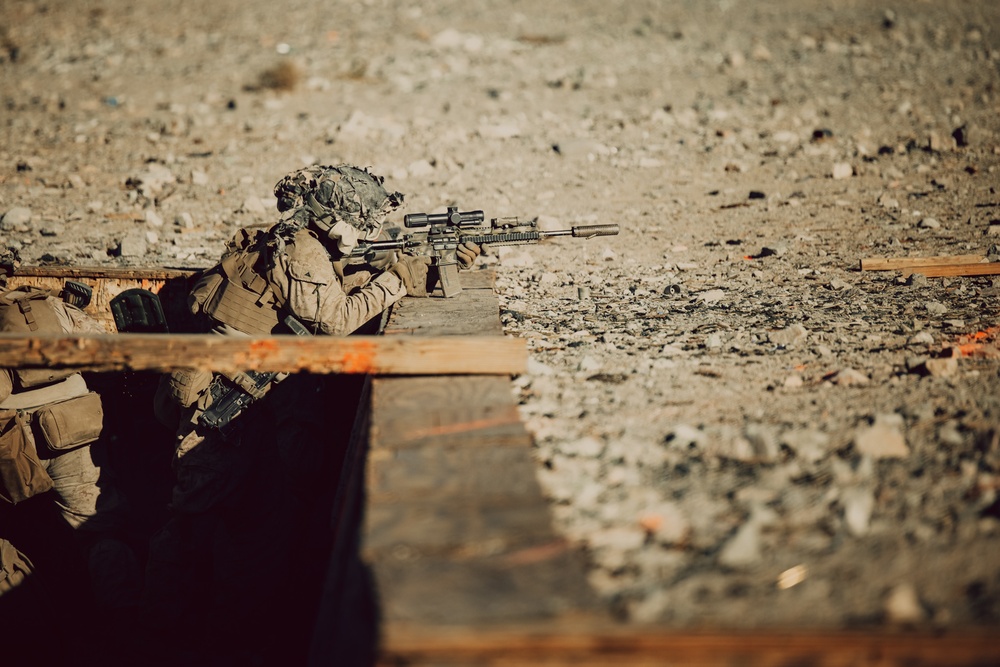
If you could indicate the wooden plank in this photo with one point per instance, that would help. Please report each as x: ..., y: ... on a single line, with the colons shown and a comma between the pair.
x: 438, y: 471
x: 456, y: 527
x: 475, y: 311
x: 537, y: 584
x: 104, y: 272
x: 893, y: 263
x: 989, y: 269
x: 469, y: 409
x: 171, y: 285
x: 570, y: 642
x: 319, y: 354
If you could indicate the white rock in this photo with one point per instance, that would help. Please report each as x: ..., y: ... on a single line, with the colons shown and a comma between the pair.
x: 881, y: 440
x: 153, y: 218
x: 928, y: 223
x: 858, y: 505
x: 134, y: 244
x: 793, y: 382
x: 744, y: 548
x: 808, y: 444
x: 849, y: 377
x: 936, y: 308
x: 15, y: 218
x: 902, y: 605
x: 789, y: 335
x: 842, y: 170
x: 711, y: 296
x: 941, y: 367
x: 587, y: 447
x: 666, y: 522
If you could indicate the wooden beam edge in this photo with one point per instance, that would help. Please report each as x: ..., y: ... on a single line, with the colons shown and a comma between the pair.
x: 565, y: 639
x: 893, y: 263
x: 409, y: 355
x: 989, y: 269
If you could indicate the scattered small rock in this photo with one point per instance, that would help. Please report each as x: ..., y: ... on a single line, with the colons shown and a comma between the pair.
x: 16, y: 219
x: 858, y: 505
x: 902, y: 605
x: 842, y: 170
x: 882, y: 440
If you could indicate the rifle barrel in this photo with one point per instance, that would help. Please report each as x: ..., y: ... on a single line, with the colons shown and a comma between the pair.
x: 584, y: 231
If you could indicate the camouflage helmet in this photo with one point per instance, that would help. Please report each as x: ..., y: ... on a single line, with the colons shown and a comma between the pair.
x: 325, y: 195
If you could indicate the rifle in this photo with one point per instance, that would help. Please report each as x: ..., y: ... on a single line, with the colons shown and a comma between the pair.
x: 232, y: 393
x: 440, y: 234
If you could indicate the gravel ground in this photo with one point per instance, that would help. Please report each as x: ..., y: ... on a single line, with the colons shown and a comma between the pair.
x: 739, y: 426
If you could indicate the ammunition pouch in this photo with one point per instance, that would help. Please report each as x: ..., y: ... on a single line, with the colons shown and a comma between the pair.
x: 21, y: 472
x: 70, y: 424
x: 63, y: 416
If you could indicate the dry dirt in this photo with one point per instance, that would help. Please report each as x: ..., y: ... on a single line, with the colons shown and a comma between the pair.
x: 738, y: 425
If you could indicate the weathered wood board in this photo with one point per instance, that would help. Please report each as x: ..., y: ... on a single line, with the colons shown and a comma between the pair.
x: 315, y: 354
x: 895, y: 263
x: 453, y: 530
x: 171, y: 285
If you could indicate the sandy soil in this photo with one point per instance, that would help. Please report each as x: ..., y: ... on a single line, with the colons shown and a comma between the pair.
x: 737, y: 424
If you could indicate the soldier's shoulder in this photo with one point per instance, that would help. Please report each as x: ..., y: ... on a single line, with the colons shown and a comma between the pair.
x: 308, y: 259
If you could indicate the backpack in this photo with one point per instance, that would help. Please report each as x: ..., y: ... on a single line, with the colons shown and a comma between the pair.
x: 31, y: 310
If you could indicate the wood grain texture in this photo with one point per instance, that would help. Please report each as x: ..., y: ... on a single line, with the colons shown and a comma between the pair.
x: 171, y: 285
x: 573, y: 641
x: 319, y: 354
x: 893, y: 263
x: 990, y: 269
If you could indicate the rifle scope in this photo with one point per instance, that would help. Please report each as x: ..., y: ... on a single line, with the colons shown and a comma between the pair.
x: 453, y: 217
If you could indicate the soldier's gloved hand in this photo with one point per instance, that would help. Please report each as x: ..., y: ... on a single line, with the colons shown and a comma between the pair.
x: 412, y: 271
x: 466, y: 254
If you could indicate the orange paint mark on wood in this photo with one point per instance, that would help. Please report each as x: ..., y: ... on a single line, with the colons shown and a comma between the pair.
x: 359, y: 360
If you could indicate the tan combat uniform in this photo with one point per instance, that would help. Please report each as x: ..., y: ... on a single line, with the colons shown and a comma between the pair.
x: 48, y: 421
x: 235, y: 504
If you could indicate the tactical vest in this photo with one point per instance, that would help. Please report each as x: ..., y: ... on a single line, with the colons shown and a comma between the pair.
x: 236, y: 292
x: 29, y: 310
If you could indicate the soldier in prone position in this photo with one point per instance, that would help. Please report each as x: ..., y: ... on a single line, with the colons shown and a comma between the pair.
x: 300, y: 267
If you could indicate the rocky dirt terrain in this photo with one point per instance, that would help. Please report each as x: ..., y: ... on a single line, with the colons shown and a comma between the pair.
x: 738, y: 426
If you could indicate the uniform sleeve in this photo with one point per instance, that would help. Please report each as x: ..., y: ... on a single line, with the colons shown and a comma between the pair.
x: 313, y: 293
x: 6, y: 384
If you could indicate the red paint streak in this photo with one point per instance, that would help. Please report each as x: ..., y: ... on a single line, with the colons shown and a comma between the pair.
x: 263, y: 347
x: 359, y: 360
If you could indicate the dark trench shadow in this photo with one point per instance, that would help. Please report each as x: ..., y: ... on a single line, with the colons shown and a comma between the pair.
x: 54, y: 610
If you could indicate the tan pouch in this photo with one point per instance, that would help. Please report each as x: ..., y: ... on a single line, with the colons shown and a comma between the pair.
x: 21, y: 473
x: 204, y: 291
x: 70, y: 424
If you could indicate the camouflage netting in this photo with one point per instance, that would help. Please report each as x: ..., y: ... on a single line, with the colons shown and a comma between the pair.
x: 324, y: 195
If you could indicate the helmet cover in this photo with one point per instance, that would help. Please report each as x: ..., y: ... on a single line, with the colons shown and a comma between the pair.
x: 325, y: 195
